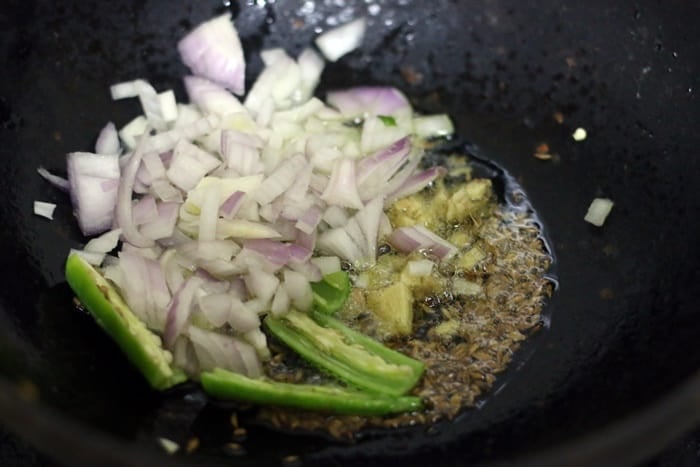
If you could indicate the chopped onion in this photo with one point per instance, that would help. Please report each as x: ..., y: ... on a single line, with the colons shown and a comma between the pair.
x: 140, y: 188
x: 271, y: 212
x: 151, y: 105
x: 187, y: 114
x: 180, y: 308
x: 104, y: 243
x: 274, y: 86
x: 164, y: 191
x: 163, y: 225
x: 55, y: 180
x: 108, y: 140
x: 168, y: 105
x: 189, y: 165
x: 132, y: 130
x: 258, y: 340
x: 261, y: 284
x: 227, y: 186
x: 598, y: 211
x: 94, y: 165
x: 208, y: 250
x: 44, y: 209
x: 241, y: 152
x: 281, y: 179
x: 464, y: 287
x: 160, y: 294
x: 145, y: 210
x: 368, y: 219
x: 149, y: 253
x: 215, y: 307
x: 154, y: 105
x: 127, y: 89
x: 287, y: 231
x: 305, y: 240
x: 212, y: 285
x: 178, y: 237
x: 420, y: 267
x: 135, y: 286
x: 276, y: 253
x: 342, y: 39
x: 308, y: 221
x: 376, y: 134
x: 93, y: 202
x: 174, y: 276
x: 257, y: 305
x: 379, y: 167
x: 310, y: 66
x: 241, y: 317
x: 416, y: 183
x: 220, y: 269
x: 309, y: 270
x: 338, y: 242
x: 110, y: 261
x: 167, y: 140
x: 171, y: 447
x: 355, y: 232
x: 368, y: 100
x: 264, y: 112
x: 299, y: 253
x: 243, y: 229
x: 230, y: 207
x: 185, y: 357
x: 342, y: 189
x: 209, y: 214
x: 327, y: 264
x: 247, y: 259
x: 270, y: 56
x: 322, y: 150
x: 124, y: 213
x: 210, y: 97
x: 299, y: 113
x: 433, y: 126
x: 280, y: 302
x: 296, y: 194
x: 91, y: 257
x: 153, y: 164
x: 213, y: 50
x: 216, y: 350
x: 406, y: 172
x: 417, y: 237
x: 335, y: 216
x: 298, y: 289
x: 143, y: 179
x: 158, y: 108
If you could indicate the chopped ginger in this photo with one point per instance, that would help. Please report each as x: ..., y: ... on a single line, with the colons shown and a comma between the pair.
x: 393, y: 306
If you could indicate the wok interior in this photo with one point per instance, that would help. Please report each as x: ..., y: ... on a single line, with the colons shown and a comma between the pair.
x: 624, y: 318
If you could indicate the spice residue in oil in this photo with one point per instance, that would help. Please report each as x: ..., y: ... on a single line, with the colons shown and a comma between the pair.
x: 468, y: 316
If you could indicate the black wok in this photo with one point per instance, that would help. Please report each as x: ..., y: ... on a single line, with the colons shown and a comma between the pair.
x: 613, y: 380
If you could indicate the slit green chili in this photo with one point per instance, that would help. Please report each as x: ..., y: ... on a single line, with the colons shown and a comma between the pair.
x: 331, y: 292
x: 227, y: 385
x: 362, y: 363
x: 142, y: 347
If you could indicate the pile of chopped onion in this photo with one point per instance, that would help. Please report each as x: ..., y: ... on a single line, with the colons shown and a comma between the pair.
x: 226, y: 210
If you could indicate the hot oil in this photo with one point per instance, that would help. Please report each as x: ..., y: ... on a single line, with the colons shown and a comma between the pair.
x: 467, y: 337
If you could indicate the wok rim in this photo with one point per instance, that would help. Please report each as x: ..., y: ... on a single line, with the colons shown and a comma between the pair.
x: 626, y: 441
